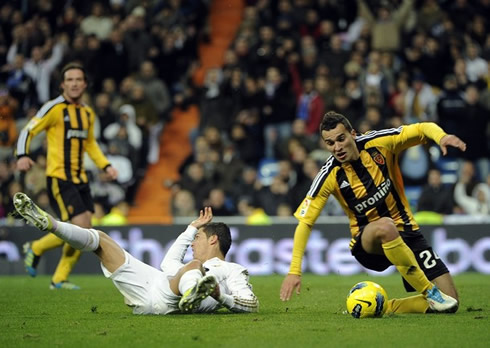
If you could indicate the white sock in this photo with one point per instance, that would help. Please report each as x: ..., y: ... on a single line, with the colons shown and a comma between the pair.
x: 85, y: 239
x: 189, y: 279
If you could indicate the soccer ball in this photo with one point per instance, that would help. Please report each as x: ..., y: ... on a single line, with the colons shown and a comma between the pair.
x: 367, y: 300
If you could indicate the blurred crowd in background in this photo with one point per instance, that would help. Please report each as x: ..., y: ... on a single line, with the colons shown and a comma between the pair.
x: 381, y: 63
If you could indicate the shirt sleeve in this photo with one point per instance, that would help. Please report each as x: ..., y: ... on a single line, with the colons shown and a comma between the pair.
x: 301, y: 236
x: 408, y: 136
x: 174, y: 258
x: 322, y: 187
x: 34, y: 126
x: 241, y: 298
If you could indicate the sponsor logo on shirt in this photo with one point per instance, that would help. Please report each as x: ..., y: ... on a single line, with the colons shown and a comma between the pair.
x: 382, y: 191
x: 76, y: 133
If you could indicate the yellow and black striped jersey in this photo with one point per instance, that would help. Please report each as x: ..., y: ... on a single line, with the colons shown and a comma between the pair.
x: 370, y: 187
x: 70, y: 133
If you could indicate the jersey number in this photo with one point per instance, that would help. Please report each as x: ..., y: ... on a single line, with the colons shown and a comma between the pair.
x: 429, y: 259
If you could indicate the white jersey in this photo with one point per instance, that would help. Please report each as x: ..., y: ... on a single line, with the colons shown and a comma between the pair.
x: 235, y: 290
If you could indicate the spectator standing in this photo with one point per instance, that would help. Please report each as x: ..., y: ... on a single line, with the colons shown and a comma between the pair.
x: 114, y: 54
x: 420, y: 101
x: 310, y: 107
x: 147, y: 119
x: 40, y: 68
x: 97, y: 23
x: 277, y: 111
x: 136, y: 38
x: 472, y: 128
x: 476, y: 66
x: 20, y: 85
x: 155, y: 89
x: 450, y: 106
x: 105, y: 115
x: 387, y: 26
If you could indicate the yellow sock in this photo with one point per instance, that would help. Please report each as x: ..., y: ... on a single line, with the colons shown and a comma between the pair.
x: 48, y: 242
x: 412, y: 304
x: 404, y: 260
x: 68, y: 260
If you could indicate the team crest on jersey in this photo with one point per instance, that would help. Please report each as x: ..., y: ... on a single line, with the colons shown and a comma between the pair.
x: 304, y: 207
x: 378, y: 158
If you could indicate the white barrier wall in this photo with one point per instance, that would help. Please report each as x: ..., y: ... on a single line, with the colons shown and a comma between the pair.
x: 264, y: 249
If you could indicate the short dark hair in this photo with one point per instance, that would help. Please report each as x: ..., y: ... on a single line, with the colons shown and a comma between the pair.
x: 222, y: 231
x: 71, y: 66
x: 331, y: 119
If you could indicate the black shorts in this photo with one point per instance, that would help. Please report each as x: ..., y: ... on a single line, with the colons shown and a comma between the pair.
x: 428, y: 260
x: 68, y: 199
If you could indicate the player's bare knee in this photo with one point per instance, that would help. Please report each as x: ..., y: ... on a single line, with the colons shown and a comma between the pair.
x: 386, y: 230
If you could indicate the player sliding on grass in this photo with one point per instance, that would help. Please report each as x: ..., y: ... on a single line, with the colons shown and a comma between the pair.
x: 364, y: 176
x: 205, y: 284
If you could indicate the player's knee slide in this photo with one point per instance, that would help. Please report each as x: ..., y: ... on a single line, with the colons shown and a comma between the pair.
x: 92, y: 240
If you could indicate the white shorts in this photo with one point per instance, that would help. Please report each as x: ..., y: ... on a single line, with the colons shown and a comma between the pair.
x: 144, y: 287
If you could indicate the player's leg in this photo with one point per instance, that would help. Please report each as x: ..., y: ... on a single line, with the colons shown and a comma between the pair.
x: 382, y: 236
x: 69, y: 256
x: 107, y: 250
x: 110, y: 254
x: 33, y: 251
x: 446, y: 284
x: 192, y: 283
x: 412, y: 304
x: 74, y: 203
x: 418, y: 303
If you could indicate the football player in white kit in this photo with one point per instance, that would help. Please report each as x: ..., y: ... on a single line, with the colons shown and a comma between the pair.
x: 205, y: 284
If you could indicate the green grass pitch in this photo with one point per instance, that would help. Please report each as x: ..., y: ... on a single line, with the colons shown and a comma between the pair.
x: 34, y: 316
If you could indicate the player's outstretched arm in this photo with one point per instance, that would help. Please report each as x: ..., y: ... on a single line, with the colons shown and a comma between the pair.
x: 290, y: 283
x: 451, y: 140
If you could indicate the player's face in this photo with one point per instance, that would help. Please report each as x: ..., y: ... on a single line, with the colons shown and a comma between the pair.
x: 341, y: 143
x: 200, y: 246
x: 74, y: 85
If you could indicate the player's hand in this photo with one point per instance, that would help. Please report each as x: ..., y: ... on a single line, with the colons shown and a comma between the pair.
x: 205, y: 217
x: 451, y: 140
x: 24, y: 163
x: 216, y: 293
x: 289, y: 284
x: 111, y: 172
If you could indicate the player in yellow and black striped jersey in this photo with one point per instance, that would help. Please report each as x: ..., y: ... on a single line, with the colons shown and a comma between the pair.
x: 363, y: 175
x: 69, y: 126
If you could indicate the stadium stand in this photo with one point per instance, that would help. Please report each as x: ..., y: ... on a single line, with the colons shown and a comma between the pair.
x: 247, y: 81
